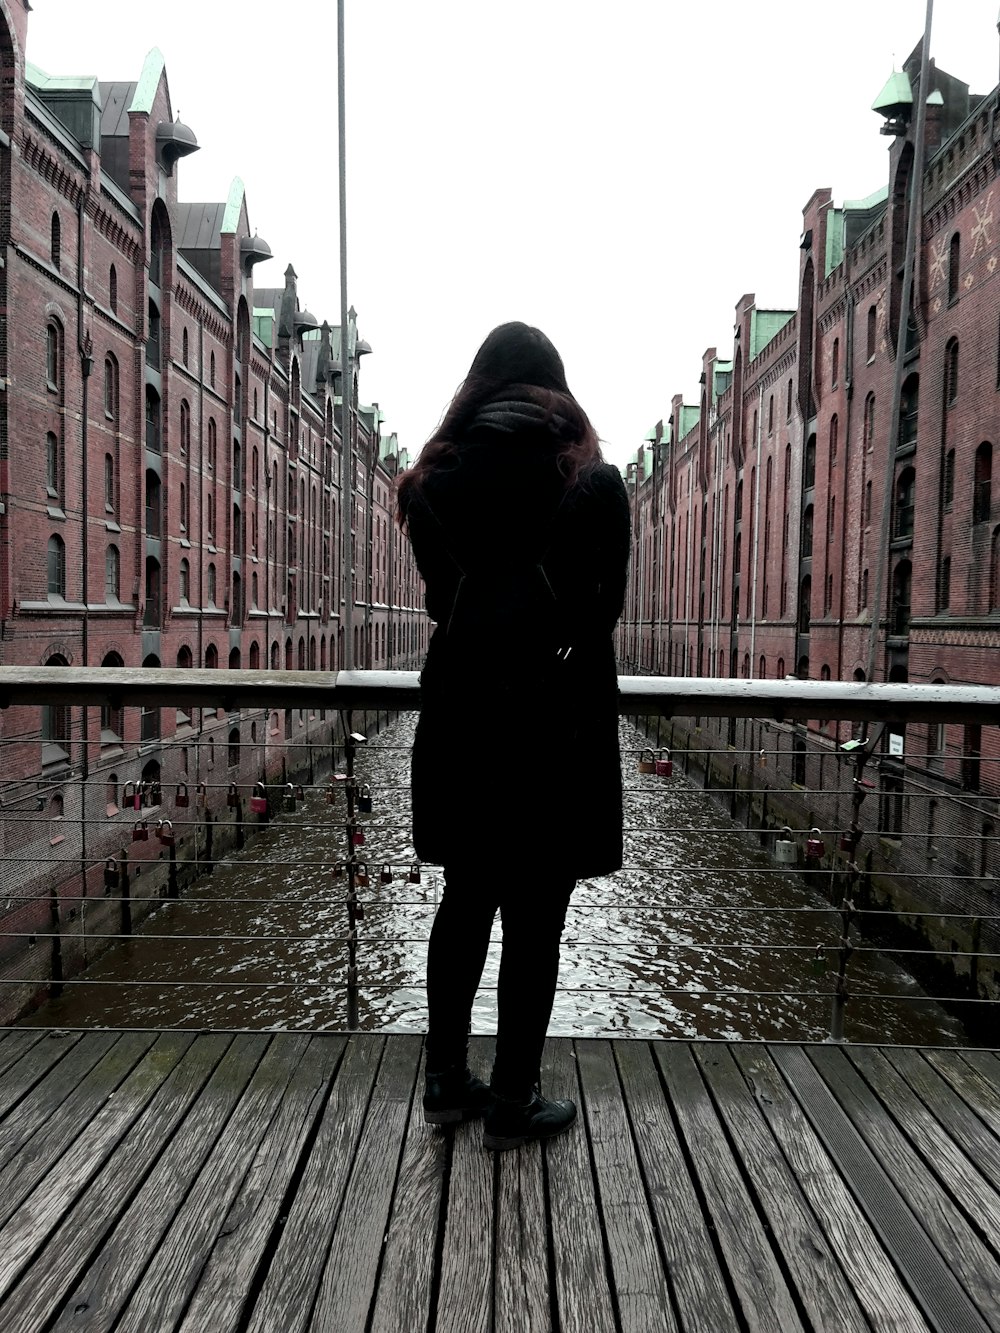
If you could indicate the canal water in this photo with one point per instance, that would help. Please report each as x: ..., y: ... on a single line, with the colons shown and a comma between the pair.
x: 700, y: 935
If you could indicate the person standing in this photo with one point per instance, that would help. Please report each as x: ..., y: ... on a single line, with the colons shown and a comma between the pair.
x: 521, y: 535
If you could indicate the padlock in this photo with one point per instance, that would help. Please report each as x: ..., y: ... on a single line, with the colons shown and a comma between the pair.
x: 331, y: 793
x: 664, y: 766
x: 818, y: 964
x: 288, y: 799
x: 300, y: 794
x: 365, y: 800
x: 112, y: 877
x: 232, y: 796
x: 201, y: 795
x: 414, y: 876
x: 338, y: 870
x: 181, y: 796
x: 847, y: 842
x: 386, y: 876
x: 359, y: 911
x: 131, y: 799
x: 647, y: 765
x: 151, y: 793
x: 258, y: 800
x: 786, y: 851
x: 358, y: 837
x: 815, y: 847
x: 762, y: 759
x: 361, y: 875
x: 140, y: 831
x: 165, y: 832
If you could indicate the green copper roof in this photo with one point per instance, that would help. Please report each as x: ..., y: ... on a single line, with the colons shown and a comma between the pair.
x: 765, y: 325
x: 871, y: 201
x: 56, y: 82
x: 689, y: 418
x: 231, y: 217
x: 834, y: 240
x: 263, y: 326
x: 897, y: 92
x: 149, y: 81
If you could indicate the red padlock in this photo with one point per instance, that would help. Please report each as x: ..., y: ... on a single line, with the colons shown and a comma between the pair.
x: 814, y: 845
x: 358, y: 838
x: 140, y: 831
x: 181, y: 796
x: 386, y: 876
x: 165, y: 832
x: 258, y: 800
x: 664, y: 766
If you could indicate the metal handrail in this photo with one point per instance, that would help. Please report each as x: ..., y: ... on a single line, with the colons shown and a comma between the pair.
x: 664, y: 696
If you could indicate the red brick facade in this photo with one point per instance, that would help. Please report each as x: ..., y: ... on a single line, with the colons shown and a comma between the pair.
x: 170, y: 460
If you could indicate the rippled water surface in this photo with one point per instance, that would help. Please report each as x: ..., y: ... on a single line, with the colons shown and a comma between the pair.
x: 670, y: 946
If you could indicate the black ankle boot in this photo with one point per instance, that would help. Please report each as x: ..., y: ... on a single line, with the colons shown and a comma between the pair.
x: 454, y: 1094
x: 509, y: 1123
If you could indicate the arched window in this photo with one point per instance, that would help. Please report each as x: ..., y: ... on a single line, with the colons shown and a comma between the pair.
x: 56, y: 566
x: 983, y: 476
x: 951, y: 372
x: 871, y: 331
x: 112, y: 574
x: 112, y: 724
x: 212, y: 442
x: 906, y: 484
x: 312, y: 653
x: 807, y: 531
x: 237, y: 466
x: 110, y: 388
x: 254, y: 593
x: 185, y: 348
x: 53, y: 466
x: 153, y: 337
x: 954, y: 263
x: 151, y: 616
x: 948, y: 481
x: 110, y: 485
x: 234, y: 748
x: 185, y: 657
x: 153, y: 494
x: 302, y: 654
x: 185, y: 440
x: 289, y: 655
x: 183, y: 507
x: 834, y: 438
x: 234, y: 659
x: 56, y: 240
x: 805, y: 605
x: 809, y: 469
x: 236, y: 609
x: 184, y: 582
x: 152, y: 419
x: 149, y: 729
x: 869, y: 422
x: 902, y: 582
x: 212, y: 657
x: 908, y: 411
x: 113, y: 289
x: 255, y: 656
x: 835, y: 364
x: 211, y: 370
x: 995, y: 571
x: 56, y: 722
x: 53, y: 355
x: 944, y: 583
x: 210, y: 591
x: 274, y: 656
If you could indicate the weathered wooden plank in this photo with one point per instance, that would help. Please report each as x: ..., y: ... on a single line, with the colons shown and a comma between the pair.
x: 883, y: 1296
x: 288, y: 1291
x: 168, y: 1282
x: 870, y: 1155
x: 46, y: 1099
x: 17, y: 1043
x: 521, y: 1281
x: 583, y: 1296
x: 465, y: 1292
x: 636, y: 1265
x: 974, y: 1076
x: 765, y: 1300
x: 823, y: 1290
x: 71, y: 1248
x: 956, y: 1146
x: 703, y: 1302
x: 33, y: 1065
x: 42, y: 1212
x: 222, y: 1290
x: 347, y: 1288
x: 402, y: 1301
x: 78, y: 1087
x: 107, y: 1283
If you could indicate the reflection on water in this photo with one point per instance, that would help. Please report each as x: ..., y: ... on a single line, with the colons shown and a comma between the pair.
x: 261, y: 943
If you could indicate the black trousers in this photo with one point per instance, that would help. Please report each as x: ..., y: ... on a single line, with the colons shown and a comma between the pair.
x: 532, y: 914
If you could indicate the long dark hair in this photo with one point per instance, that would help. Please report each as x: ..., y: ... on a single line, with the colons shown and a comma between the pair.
x: 518, y: 361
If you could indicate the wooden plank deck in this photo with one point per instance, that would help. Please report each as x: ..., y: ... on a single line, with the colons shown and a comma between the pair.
x: 281, y: 1182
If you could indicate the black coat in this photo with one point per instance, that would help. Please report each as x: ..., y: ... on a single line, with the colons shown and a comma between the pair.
x: 515, y: 758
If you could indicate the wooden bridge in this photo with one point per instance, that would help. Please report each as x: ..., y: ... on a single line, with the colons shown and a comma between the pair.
x: 209, y: 1181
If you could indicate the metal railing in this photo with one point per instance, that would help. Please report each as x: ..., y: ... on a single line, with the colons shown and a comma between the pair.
x: 193, y: 835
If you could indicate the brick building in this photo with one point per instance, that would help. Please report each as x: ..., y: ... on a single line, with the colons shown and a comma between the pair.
x: 787, y: 524
x: 170, y: 465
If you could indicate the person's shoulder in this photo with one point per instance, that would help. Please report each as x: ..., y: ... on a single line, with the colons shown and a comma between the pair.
x: 602, y: 480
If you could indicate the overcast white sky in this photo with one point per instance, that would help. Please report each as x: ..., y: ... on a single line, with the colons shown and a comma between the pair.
x: 617, y: 173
